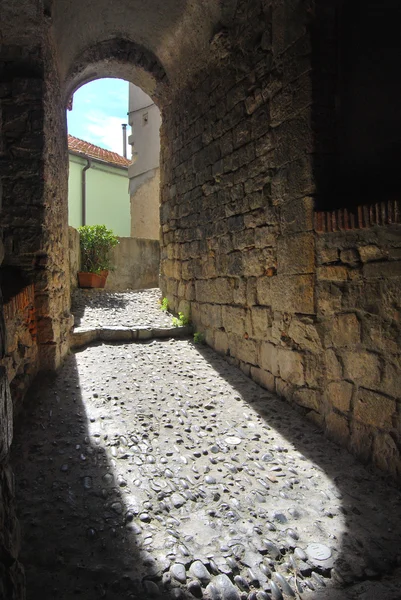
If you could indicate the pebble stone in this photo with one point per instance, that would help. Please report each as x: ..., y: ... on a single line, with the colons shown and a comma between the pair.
x: 178, y: 572
x: 157, y: 468
x: 198, y: 570
x: 318, y: 551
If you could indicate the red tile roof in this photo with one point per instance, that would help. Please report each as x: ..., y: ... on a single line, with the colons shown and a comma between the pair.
x: 82, y: 147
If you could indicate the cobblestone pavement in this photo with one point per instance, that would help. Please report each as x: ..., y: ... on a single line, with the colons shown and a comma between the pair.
x: 94, y: 308
x: 159, y: 470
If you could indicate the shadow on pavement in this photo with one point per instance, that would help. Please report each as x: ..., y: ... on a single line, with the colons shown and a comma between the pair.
x: 79, y: 534
x: 370, y: 546
x: 94, y: 299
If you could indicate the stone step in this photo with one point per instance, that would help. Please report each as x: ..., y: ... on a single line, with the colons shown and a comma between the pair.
x: 82, y: 336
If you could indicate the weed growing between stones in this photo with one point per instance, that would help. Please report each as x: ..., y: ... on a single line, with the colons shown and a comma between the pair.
x: 199, y: 338
x: 181, y: 320
x: 164, y: 305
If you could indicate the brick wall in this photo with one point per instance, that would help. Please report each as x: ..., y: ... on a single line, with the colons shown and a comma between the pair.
x: 21, y: 351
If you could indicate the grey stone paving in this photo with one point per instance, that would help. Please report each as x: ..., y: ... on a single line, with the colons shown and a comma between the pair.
x: 157, y: 469
x: 97, y: 308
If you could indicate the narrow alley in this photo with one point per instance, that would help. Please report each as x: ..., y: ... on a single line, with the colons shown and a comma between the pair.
x: 158, y: 469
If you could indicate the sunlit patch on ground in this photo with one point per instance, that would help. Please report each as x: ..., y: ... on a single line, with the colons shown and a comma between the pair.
x: 160, y: 469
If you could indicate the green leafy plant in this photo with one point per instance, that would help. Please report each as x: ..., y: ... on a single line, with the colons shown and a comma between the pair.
x: 164, y: 305
x: 96, y: 241
x: 199, y: 338
x: 181, y: 320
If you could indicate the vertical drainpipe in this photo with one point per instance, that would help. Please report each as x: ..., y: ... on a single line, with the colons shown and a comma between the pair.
x: 124, y: 126
x: 83, y: 188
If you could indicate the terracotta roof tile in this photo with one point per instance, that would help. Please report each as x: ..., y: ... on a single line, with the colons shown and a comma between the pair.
x: 82, y: 147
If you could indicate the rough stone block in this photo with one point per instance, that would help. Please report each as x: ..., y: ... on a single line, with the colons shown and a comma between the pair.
x: 296, y: 254
x: 297, y: 215
x: 284, y: 389
x: 293, y: 293
x: 263, y: 378
x: 327, y: 255
x: 82, y: 336
x: 339, y: 394
x: 370, y: 253
x: 209, y: 337
x: 391, y: 381
x: 251, y: 291
x: 143, y: 333
x: 239, y: 291
x: 184, y: 307
x: 211, y: 315
x: 332, y: 273
x: 372, y: 408
x: 294, y: 180
x: 307, y: 398
x: 246, y: 350
x: 338, y: 428
x: 219, y: 290
x: 328, y: 299
x: 293, y: 98
x: 349, y: 256
x: 305, y: 335
x: 6, y: 416
x: 314, y: 370
x: 115, y: 334
x: 362, y: 367
x: 234, y: 266
x: 386, y: 454
x: 234, y: 319
x: 345, y: 331
x: 253, y: 263
x: 50, y: 356
x: 265, y: 237
x: 291, y: 366
x: 317, y: 419
x: 269, y: 358
x: 48, y: 330
x: 261, y: 321
x: 221, y: 342
x: 293, y: 138
x: 382, y: 270
x: 361, y: 440
x: 263, y: 294
x: 243, y: 239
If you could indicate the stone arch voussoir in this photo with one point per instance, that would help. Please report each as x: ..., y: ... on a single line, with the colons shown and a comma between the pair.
x: 117, y: 58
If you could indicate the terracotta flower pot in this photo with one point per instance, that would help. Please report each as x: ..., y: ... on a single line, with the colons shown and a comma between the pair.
x: 91, y: 280
x: 103, y: 275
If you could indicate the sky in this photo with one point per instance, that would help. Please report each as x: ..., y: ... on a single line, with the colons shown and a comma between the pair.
x: 99, y: 109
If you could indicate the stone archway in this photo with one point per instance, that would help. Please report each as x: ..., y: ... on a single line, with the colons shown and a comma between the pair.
x: 310, y: 311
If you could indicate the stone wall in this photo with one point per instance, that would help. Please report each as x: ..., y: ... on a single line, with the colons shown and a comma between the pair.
x: 33, y: 176
x: 33, y: 170
x: 75, y: 256
x: 12, y: 579
x: 136, y: 263
x: 243, y: 152
x: 358, y: 292
x: 145, y: 202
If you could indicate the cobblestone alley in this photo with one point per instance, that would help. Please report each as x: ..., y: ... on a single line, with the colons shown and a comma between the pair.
x: 157, y: 469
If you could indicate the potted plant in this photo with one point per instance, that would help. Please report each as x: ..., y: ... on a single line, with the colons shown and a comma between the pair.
x: 96, y: 241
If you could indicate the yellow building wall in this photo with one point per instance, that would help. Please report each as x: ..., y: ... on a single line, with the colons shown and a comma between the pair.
x: 107, y: 196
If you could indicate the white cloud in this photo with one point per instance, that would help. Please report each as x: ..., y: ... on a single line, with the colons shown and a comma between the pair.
x: 104, y: 131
